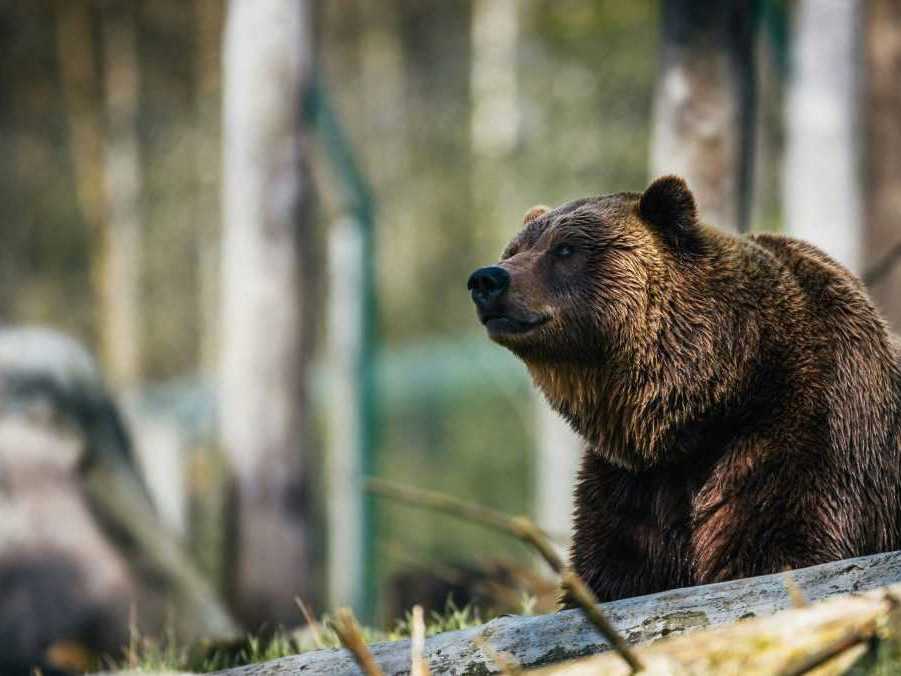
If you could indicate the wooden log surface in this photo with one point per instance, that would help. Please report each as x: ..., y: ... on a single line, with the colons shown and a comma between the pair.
x: 829, y: 637
x: 546, y: 639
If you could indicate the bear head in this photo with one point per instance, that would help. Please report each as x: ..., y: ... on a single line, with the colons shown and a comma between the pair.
x: 579, y: 293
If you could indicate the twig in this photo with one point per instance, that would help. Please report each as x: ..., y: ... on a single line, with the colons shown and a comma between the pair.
x: 351, y: 638
x: 883, y: 266
x: 418, y: 664
x: 526, y: 531
x: 579, y: 591
x: 820, y: 657
x: 441, y: 502
x: 504, y: 662
x: 587, y: 601
x: 529, y: 533
x: 311, y: 623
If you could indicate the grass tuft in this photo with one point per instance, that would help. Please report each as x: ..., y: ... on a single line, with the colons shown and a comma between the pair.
x: 154, y: 655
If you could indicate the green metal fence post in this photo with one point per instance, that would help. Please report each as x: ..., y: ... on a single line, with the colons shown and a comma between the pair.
x: 361, y: 205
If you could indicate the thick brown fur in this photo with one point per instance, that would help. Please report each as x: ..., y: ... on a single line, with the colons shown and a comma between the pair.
x: 739, y: 396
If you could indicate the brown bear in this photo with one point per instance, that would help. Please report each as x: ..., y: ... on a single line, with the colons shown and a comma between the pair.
x: 739, y: 396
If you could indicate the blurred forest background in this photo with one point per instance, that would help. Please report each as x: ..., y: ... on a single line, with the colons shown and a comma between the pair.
x: 414, y: 135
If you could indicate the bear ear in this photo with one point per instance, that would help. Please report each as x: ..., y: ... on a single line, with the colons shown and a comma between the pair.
x: 535, y: 212
x: 669, y: 206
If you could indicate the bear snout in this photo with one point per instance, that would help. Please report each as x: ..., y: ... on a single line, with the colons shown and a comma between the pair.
x: 487, y: 285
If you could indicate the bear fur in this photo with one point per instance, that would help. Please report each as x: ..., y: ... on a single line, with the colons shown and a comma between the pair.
x: 739, y: 396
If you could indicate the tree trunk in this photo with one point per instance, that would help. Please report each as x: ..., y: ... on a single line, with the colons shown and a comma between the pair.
x: 882, y: 206
x: 208, y: 17
x: 494, y: 131
x: 495, y: 100
x: 107, y: 171
x: 821, y: 193
x: 119, y: 257
x: 78, y: 73
x: 268, y: 223
x: 559, y: 450
x: 705, y: 105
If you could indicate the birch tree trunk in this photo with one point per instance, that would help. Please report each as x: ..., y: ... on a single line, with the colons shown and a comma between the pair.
x: 494, y: 130
x: 821, y: 194
x: 495, y: 100
x: 268, y: 222
x: 705, y: 105
x: 882, y: 205
x: 559, y: 450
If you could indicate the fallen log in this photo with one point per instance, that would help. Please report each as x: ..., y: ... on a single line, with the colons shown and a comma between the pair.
x: 829, y: 637
x: 547, y: 639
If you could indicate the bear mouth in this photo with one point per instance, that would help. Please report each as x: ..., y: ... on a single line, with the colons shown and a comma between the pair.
x: 498, y: 324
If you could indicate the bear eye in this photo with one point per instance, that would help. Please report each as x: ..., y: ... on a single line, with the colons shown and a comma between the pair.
x: 564, y: 250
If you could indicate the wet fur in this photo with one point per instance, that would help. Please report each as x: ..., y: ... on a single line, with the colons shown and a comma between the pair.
x: 739, y: 396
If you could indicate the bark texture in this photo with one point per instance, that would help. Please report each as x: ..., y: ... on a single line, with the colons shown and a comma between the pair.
x: 882, y: 203
x: 705, y: 104
x: 821, y: 192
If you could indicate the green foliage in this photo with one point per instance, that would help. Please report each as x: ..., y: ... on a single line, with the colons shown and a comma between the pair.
x: 152, y: 654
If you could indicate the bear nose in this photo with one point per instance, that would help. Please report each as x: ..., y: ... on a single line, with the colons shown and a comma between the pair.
x: 486, y: 284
